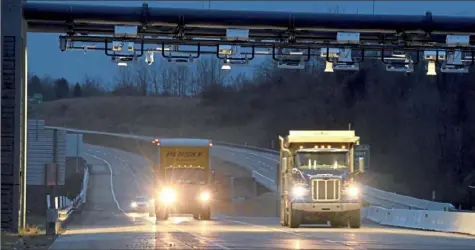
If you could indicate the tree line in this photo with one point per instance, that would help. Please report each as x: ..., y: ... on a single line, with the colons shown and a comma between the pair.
x: 138, y: 79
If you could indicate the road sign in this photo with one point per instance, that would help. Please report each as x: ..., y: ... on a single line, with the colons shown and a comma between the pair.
x: 37, y: 98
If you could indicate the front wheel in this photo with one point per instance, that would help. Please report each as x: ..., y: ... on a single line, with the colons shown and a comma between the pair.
x: 205, y: 214
x: 294, y: 218
x: 161, y: 213
x: 339, y: 222
x: 355, y: 219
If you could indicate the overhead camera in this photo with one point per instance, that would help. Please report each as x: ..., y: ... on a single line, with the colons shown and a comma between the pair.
x: 131, y: 46
x: 245, y: 61
x: 149, y: 58
x: 117, y: 46
x: 225, y: 49
x: 341, y: 60
x: 346, y: 66
x: 124, y: 60
x: 399, y: 61
x: 435, y: 55
x: 406, y: 68
x: 332, y: 52
x: 451, y: 68
x: 180, y: 60
x: 290, y: 65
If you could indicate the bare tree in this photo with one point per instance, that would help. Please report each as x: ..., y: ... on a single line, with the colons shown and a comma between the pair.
x: 239, y: 82
x: 92, y: 86
x: 142, y: 77
x: 209, y: 72
x: 156, y: 81
x: 124, y: 82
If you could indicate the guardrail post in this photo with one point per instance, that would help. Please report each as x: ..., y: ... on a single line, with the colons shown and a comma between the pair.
x: 277, y: 190
x: 52, y: 224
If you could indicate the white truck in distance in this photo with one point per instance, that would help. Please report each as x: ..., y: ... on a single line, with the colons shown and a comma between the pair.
x: 317, y: 179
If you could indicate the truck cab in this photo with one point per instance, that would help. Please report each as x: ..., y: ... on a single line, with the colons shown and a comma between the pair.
x: 317, y: 179
x: 183, y: 178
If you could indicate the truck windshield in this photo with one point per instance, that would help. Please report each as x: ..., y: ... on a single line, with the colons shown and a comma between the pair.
x: 185, y: 175
x: 321, y: 160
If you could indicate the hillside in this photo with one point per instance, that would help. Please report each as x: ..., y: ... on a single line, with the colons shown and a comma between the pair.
x: 155, y: 116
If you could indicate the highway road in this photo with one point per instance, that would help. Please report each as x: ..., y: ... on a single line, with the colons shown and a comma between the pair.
x: 117, y: 177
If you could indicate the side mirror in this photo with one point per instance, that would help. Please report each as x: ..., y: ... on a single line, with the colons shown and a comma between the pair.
x: 361, y: 166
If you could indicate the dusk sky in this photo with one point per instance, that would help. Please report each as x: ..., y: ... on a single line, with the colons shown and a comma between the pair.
x: 45, y: 58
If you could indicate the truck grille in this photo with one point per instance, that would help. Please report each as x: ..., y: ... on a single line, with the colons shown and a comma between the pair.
x: 326, y: 189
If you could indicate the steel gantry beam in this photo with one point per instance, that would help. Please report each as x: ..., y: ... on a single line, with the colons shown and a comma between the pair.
x: 198, y: 27
x: 259, y: 20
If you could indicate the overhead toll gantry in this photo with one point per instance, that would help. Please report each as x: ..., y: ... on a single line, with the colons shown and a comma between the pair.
x: 292, y: 39
x: 236, y: 37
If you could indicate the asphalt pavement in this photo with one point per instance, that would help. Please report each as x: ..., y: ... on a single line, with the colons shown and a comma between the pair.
x: 117, y: 177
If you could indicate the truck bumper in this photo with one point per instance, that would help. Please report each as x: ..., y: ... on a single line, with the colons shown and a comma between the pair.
x: 326, y: 207
x: 185, y: 208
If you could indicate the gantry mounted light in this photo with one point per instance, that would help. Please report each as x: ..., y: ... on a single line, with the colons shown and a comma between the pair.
x: 339, y: 60
x: 226, y: 66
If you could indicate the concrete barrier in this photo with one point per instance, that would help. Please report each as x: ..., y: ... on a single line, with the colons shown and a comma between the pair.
x: 442, y: 221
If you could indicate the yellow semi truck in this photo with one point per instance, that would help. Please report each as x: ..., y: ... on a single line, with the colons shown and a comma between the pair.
x: 317, y: 179
x: 183, y: 178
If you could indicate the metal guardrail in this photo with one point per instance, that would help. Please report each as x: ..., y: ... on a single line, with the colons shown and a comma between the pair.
x: 57, y: 218
x: 373, y: 196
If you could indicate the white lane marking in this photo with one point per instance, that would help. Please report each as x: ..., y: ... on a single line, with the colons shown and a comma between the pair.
x: 111, y: 181
x: 271, y: 180
x: 294, y: 233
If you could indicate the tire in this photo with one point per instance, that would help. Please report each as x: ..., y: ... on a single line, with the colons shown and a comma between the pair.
x: 161, y: 214
x: 355, y: 219
x: 205, y: 214
x: 196, y: 216
x: 339, y: 222
x: 294, y: 218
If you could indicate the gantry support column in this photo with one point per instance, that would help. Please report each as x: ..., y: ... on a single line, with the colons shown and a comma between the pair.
x: 13, y: 114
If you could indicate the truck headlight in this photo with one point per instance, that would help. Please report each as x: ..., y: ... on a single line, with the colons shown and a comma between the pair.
x: 205, y: 196
x: 299, y: 191
x: 167, y: 195
x: 352, y: 191
x: 133, y: 204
